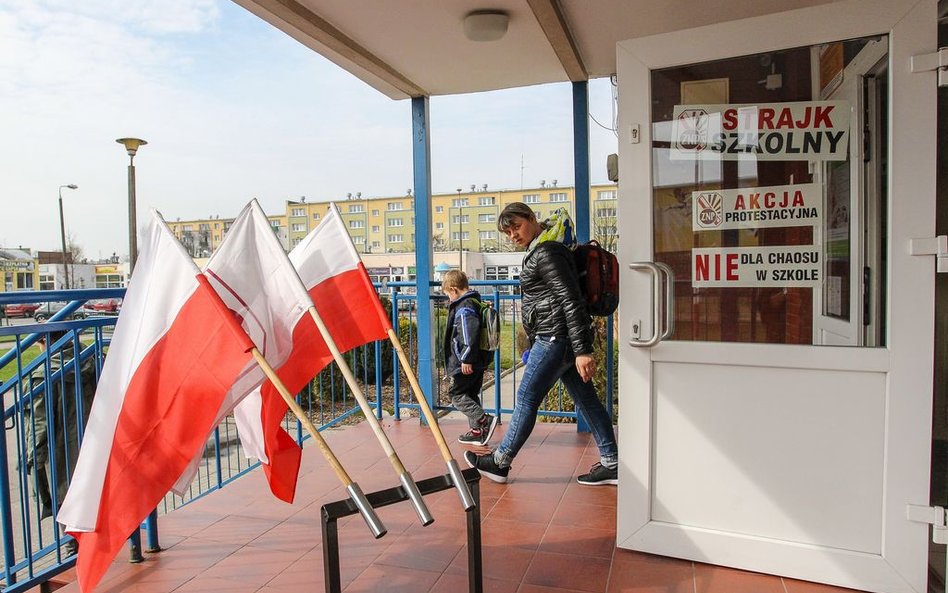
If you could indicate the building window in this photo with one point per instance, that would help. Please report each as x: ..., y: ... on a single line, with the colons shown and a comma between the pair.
x: 356, y: 224
x: 439, y: 209
x: 358, y: 240
x: 315, y: 215
x: 531, y: 198
x: 396, y: 222
x: 296, y: 241
x: 487, y: 217
x: 46, y: 282
x: 606, y: 195
x: 395, y: 238
x: 459, y: 202
x: 376, y: 244
x: 439, y: 226
x: 298, y: 227
x: 375, y: 213
x: 558, y: 197
x: 217, y: 225
x: 465, y: 218
x: 604, y: 212
x: 458, y: 236
x: 204, y: 226
x: 486, y: 201
x: 608, y: 230
x: 298, y: 212
x: 356, y: 208
x: 274, y: 223
x: 375, y: 228
x: 187, y: 228
x: 395, y: 206
x: 487, y: 235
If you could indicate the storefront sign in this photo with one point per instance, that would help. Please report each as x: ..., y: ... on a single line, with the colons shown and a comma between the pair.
x: 107, y: 270
x: 806, y: 130
x: 16, y: 266
x: 789, y: 265
x: 757, y: 207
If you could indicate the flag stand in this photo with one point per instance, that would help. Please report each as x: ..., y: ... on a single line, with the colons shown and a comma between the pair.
x: 333, y: 511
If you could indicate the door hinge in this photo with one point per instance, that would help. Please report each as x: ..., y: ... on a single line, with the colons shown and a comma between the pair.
x: 937, y: 246
x: 934, y: 516
x: 934, y: 61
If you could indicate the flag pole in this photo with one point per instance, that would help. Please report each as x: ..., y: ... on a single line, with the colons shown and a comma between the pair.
x: 355, y: 493
x: 411, y: 489
x: 459, y: 482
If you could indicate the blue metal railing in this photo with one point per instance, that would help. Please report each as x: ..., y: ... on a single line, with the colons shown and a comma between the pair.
x: 34, y: 547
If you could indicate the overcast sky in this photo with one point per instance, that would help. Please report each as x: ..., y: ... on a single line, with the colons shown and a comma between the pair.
x: 232, y: 109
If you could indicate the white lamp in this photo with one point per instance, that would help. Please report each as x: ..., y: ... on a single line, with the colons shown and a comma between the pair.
x: 485, y: 25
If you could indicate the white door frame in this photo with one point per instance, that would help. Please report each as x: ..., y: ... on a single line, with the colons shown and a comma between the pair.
x: 906, y: 361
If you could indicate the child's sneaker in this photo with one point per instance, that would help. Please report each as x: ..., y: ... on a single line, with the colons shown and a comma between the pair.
x: 472, y: 437
x: 488, y: 424
x: 487, y: 467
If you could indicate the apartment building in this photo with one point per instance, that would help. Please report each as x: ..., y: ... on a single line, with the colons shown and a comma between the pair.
x: 461, y: 221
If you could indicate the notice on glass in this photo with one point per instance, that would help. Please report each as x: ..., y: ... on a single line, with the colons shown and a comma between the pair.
x: 799, y: 131
x: 757, y: 207
x: 788, y: 265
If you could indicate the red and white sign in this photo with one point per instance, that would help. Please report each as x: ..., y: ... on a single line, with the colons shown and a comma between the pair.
x: 799, y: 131
x: 786, y: 265
x: 757, y: 207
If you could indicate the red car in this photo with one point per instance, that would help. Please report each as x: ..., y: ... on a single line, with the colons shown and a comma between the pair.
x: 20, y: 309
x: 104, y: 305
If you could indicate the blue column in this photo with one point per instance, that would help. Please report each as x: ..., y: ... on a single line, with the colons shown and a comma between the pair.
x: 421, y: 160
x: 581, y: 175
x: 581, y: 157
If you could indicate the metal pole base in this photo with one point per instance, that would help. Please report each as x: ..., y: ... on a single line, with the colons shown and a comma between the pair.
x: 411, y: 489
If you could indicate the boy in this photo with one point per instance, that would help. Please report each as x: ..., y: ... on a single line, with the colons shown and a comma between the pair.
x: 464, y: 361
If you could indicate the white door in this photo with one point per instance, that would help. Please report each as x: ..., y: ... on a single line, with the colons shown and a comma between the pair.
x: 745, y: 440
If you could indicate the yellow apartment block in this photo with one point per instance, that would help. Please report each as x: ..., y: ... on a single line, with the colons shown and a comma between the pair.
x: 464, y: 220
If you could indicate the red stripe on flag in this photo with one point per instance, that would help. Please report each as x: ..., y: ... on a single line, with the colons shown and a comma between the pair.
x: 168, y: 409
x: 349, y: 306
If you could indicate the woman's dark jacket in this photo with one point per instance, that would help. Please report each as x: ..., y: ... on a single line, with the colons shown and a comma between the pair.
x: 552, y: 302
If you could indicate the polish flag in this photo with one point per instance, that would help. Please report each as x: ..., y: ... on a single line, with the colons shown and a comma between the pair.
x: 253, y: 277
x: 175, y: 352
x: 330, y: 268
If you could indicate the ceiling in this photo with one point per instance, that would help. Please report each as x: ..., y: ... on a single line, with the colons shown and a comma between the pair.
x: 410, y: 48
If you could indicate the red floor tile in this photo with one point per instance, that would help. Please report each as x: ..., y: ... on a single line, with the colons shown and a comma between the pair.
x: 568, y: 571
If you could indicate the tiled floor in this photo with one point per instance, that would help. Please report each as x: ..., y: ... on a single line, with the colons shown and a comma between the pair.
x: 542, y: 533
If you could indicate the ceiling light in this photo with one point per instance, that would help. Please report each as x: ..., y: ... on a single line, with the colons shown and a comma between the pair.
x: 485, y: 25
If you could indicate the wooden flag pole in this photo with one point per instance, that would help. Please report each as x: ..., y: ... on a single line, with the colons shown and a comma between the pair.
x: 459, y: 482
x: 355, y: 493
x: 411, y: 489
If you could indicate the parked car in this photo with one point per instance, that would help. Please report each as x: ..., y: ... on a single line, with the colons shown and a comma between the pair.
x: 20, y: 309
x: 106, y: 306
x: 47, y: 310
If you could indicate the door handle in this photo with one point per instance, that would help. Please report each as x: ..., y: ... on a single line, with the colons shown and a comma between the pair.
x: 654, y: 273
x: 663, y: 305
x: 668, y: 284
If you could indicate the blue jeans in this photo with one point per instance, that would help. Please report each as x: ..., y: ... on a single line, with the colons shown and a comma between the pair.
x: 552, y: 359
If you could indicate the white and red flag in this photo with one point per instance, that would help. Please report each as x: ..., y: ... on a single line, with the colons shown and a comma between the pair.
x: 340, y: 289
x: 175, y: 353
x: 252, y: 275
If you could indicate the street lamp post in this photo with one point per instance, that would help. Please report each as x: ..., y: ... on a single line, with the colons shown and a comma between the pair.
x: 62, y: 228
x: 131, y: 147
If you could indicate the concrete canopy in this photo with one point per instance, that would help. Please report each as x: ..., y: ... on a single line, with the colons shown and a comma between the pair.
x: 412, y: 48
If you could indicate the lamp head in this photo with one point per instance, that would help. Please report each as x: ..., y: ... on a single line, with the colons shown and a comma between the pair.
x: 131, y: 144
x: 71, y: 186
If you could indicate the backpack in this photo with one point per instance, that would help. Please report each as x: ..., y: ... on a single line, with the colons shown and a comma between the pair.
x: 490, y: 327
x: 598, y: 278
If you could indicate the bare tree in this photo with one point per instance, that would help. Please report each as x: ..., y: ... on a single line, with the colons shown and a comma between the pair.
x: 606, y: 230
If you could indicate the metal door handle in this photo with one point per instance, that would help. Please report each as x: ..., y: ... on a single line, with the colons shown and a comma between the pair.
x: 663, y: 317
x: 668, y: 282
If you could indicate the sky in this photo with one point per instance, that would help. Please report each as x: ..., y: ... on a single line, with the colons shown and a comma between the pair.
x: 232, y: 109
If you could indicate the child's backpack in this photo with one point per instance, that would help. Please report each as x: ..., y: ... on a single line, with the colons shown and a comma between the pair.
x: 598, y: 278
x: 490, y: 327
